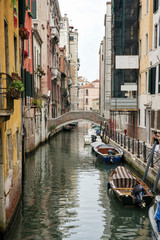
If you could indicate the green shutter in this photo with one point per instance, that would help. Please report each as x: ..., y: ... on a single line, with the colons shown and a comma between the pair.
x: 34, y: 9
x: 153, y: 80
x: 22, y: 11
x: 149, y: 81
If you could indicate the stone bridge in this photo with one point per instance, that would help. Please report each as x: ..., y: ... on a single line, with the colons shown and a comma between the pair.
x: 75, y: 116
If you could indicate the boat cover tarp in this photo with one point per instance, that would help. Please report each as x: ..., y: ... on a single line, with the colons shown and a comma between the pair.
x: 123, y: 178
x: 157, y: 217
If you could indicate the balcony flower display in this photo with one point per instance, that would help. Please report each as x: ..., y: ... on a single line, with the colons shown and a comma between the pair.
x: 25, y: 54
x: 30, y: 13
x: 23, y: 33
x: 37, y: 103
x: 15, y: 89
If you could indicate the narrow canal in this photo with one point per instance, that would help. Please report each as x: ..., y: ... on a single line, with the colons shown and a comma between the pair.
x: 65, y: 196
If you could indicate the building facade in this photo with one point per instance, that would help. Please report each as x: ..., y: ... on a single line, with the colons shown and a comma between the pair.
x: 89, y: 96
x: 74, y: 67
x: 145, y: 50
x: 10, y: 114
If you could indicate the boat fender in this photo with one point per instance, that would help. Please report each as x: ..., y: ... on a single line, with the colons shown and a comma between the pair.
x: 108, y: 185
x: 111, y: 152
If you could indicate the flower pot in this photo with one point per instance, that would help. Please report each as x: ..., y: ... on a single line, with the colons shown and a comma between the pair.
x: 13, y: 93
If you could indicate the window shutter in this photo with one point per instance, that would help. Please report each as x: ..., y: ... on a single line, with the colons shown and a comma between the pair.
x: 153, y: 80
x: 34, y: 9
x: 149, y: 81
x: 22, y: 7
x: 158, y: 119
x: 152, y: 119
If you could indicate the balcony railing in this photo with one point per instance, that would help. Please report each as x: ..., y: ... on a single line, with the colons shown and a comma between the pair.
x: 6, y: 103
x: 124, y: 104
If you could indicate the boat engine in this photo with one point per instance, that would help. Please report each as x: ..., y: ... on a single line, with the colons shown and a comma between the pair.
x: 138, y: 191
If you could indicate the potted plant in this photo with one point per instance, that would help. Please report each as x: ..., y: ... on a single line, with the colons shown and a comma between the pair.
x: 36, y: 103
x: 15, y: 76
x: 24, y: 33
x: 15, y: 89
x: 30, y: 13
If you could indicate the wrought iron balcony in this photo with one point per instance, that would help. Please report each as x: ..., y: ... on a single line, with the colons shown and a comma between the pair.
x: 6, y: 103
x: 56, y: 75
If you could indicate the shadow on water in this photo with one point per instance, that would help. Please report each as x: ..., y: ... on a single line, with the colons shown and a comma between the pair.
x: 65, y: 196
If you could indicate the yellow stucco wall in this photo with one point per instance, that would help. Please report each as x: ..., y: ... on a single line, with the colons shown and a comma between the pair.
x: 145, y: 28
x: 6, y: 12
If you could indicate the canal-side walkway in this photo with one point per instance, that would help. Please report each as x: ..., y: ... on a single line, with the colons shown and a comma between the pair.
x: 137, y: 155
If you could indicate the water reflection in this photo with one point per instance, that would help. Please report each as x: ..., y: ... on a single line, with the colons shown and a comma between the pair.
x: 65, y: 196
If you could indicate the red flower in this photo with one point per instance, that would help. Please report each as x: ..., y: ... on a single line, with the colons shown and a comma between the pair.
x: 25, y: 54
x: 23, y: 33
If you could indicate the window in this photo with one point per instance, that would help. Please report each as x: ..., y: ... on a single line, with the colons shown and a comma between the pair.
x: 158, y: 119
x: 139, y: 117
x: 140, y: 46
x: 6, y: 46
x: 152, y: 118
x: 86, y: 92
x: 145, y: 87
x: 18, y: 144
x: 34, y: 8
x: 71, y: 38
x: 9, y: 150
x: 86, y: 101
x: 152, y: 80
x: 146, y: 44
x: 155, y: 5
x: 61, y: 25
x: 139, y: 84
x: 29, y: 47
x: 155, y: 36
x: 15, y: 54
x: 146, y: 6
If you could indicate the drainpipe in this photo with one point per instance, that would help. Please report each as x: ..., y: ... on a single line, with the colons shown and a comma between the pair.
x: 22, y: 127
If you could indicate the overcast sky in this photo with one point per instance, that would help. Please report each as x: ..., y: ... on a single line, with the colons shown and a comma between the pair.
x: 88, y: 17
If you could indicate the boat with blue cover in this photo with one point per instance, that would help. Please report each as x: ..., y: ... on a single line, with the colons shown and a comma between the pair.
x: 154, y: 218
x: 108, y: 153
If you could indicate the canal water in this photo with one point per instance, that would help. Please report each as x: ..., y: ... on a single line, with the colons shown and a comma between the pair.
x: 65, y: 196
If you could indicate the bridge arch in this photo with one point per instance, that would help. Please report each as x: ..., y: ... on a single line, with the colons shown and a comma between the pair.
x: 76, y: 116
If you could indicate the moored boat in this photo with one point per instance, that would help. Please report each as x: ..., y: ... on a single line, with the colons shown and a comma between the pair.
x: 109, y: 153
x: 88, y: 139
x: 154, y: 218
x: 129, y: 188
x: 96, y: 144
